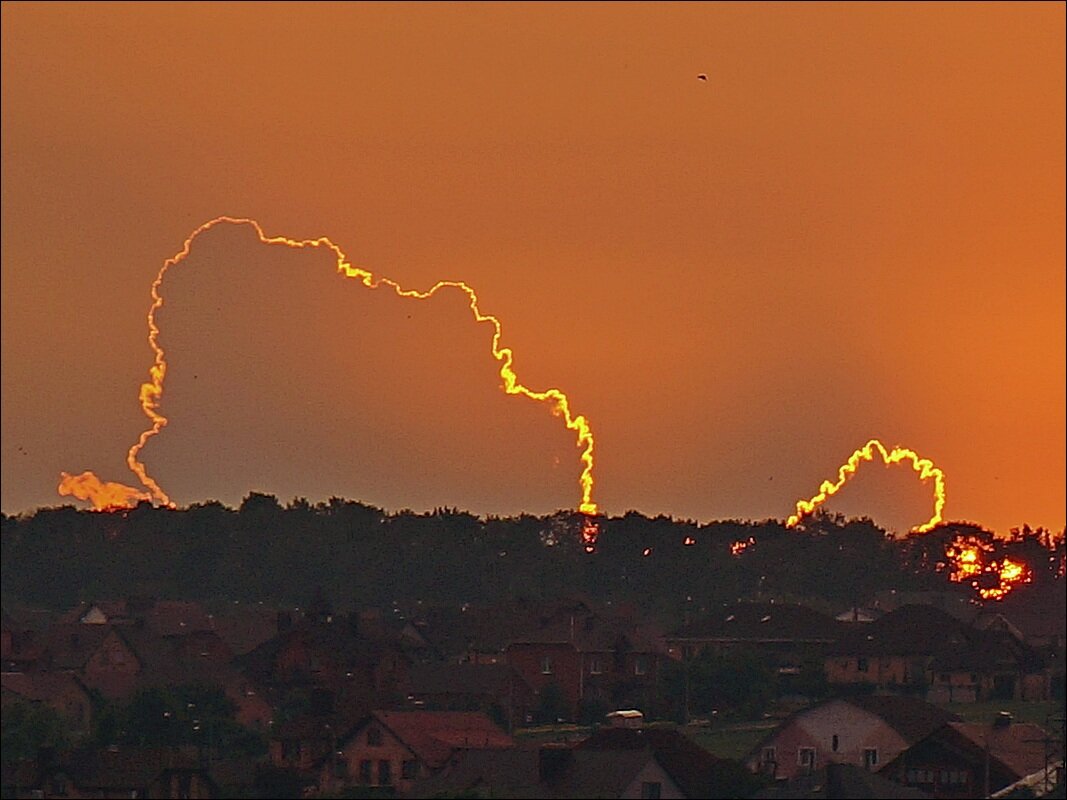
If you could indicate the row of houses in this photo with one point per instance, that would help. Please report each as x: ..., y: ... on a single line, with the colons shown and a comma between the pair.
x: 857, y: 747
x: 314, y: 682
x: 589, y: 654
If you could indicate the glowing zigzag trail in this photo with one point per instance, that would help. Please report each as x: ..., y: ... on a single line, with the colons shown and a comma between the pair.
x: 923, y: 466
x: 87, y: 486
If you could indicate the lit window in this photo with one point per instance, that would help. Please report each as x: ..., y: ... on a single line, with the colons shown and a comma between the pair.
x: 806, y: 757
x: 769, y: 755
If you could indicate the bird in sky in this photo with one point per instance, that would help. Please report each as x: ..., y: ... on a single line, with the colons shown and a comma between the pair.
x: 702, y: 77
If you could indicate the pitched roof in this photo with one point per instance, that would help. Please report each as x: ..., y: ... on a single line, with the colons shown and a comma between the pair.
x: 909, y: 630
x: 517, y: 774
x: 697, y: 772
x: 911, y: 717
x: 1019, y: 746
x: 70, y: 645
x: 762, y: 622
x: 841, y: 781
x: 433, y: 735
x: 40, y: 686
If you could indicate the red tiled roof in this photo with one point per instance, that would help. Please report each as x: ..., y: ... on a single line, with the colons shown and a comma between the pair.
x: 40, y: 686
x: 1019, y: 746
x: 433, y: 735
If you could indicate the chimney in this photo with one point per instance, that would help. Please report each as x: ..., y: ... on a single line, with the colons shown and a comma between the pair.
x: 553, y: 762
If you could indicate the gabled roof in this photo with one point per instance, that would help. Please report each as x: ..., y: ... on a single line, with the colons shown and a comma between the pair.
x: 336, y: 640
x: 433, y: 736
x: 1019, y: 746
x: 70, y: 645
x: 697, y: 772
x: 909, y: 630
x: 841, y: 781
x: 762, y: 622
x: 40, y: 686
x: 911, y: 717
x: 517, y: 774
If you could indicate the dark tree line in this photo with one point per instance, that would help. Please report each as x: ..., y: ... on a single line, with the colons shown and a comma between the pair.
x: 364, y: 557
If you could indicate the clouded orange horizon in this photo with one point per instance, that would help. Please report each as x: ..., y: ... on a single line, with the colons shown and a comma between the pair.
x: 853, y: 229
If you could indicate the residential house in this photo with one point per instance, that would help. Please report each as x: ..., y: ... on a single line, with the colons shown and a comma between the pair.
x: 496, y: 689
x: 792, y: 639
x: 332, y: 658
x: 60, y: 691
x: 397, y: 748
x: 596, y: 658
x: 552, y: 772
x: 924, y: 650
x: 840, y: 782
x: 866, y: 731
x: 100, y: 655
x: 777, y: 629
x: 114, y: 772
x: 695, y: 771
x: 969, y: 759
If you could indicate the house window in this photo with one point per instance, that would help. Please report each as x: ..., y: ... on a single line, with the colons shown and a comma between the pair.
x: 769, y: 756
x: 862, y: 664
x: 374, y: 736
x: 651, y: 790
x: 640, y: 665
x: 385, y: 773
x: 595, y: 665
x: 364, y: 771
x: 409, y: 769
x: 834, y: 742
x: 870, y: 757
x: 806, y: 757
x: 546, y: 665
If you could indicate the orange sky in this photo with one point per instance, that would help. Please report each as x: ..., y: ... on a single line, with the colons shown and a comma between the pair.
x: 853, y: 229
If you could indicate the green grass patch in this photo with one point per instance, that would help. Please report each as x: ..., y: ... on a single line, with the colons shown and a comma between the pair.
x: 1021, y: 711
x: 730, y: 741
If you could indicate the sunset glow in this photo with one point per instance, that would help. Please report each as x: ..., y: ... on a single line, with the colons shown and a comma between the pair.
x: 106, y: 495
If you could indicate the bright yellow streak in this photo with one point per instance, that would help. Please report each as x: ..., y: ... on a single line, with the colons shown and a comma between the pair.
x: 109, y: 494
x: 923, y: 466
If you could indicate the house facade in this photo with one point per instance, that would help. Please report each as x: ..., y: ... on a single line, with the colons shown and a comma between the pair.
x: 866, y: 732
